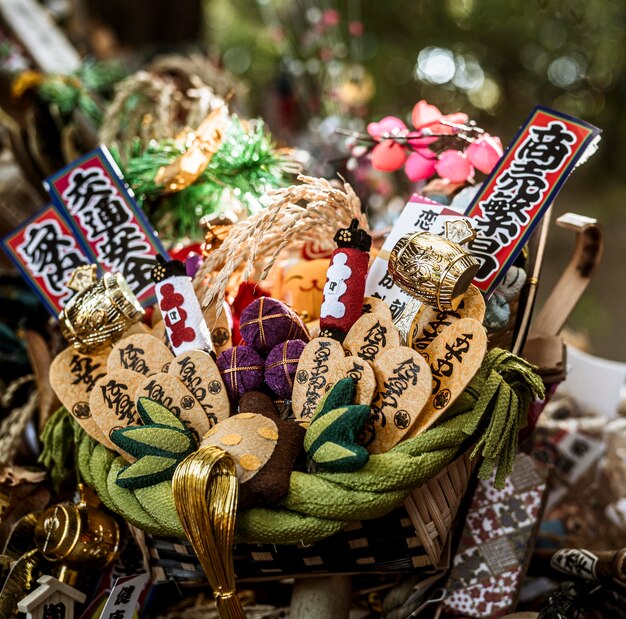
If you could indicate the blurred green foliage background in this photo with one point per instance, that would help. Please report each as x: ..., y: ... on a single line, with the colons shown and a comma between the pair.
x: 494, y: 59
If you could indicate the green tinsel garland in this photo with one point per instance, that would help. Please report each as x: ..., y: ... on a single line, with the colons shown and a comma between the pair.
x: 247, y: 164
x: 86, y: 90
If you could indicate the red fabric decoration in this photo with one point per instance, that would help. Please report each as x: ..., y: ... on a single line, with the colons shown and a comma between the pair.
x: 345, y: 282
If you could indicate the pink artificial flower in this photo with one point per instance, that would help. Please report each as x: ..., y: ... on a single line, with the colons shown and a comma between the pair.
x: 331, y: 17
x: 427, y: 116
x: 388, y: 156
x: 390, y: 125
x: 454, y: 166
x: 484, y: 153
x: 356, y: 28
x: 420, y: 165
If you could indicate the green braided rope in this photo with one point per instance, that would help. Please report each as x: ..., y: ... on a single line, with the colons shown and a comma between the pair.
x: 490, y: 413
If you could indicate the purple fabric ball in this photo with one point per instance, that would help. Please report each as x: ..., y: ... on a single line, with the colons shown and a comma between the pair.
x: 281, y: 365
x: 267, y: 322
x: 241, y: 368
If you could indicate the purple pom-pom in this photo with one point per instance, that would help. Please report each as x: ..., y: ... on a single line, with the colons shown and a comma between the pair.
x: 241, y: 368
x: 267, y: 322
x: 281, y: 365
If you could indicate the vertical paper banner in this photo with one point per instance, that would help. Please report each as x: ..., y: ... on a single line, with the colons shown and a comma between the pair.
x: 46, y: 251
x: 92, y: 192
x: 522, y: 187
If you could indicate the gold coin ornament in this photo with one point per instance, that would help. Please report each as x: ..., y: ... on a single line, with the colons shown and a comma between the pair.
x: 430, y: 322
x: 370, y: 336
x: 101, y: 311
x: 170, y: 392
x: 404, y: 385
x: 141, y: 353
x: 373, y: 305
x: 73, y: 377
x: 454, y: 358
x: 314, y: 374
x: 200, y: 375
x: 112, y: 404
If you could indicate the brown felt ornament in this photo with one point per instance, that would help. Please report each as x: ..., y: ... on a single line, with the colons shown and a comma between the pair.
x: 263, y: 446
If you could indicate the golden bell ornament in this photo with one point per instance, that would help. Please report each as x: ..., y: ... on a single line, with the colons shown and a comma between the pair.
x: 79, y: 536
x: 101, y: 311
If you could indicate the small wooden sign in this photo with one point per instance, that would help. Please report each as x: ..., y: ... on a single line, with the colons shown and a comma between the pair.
x: 363, y: 375
x: 221, y: 327
x: 73, y: 377
x: 199, y: 373
x: 404, y: 384
x: 370, y: 336
x: 374, y: 305
x: 112, y: 404
x: 142, y: 353
x: 313, y: 376
x: 170, y: 391
x: 430, y: 322
x: 454, y: 358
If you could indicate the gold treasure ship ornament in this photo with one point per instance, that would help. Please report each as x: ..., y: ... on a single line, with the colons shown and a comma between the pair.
x: 100, y: 312
x: 433, y: 269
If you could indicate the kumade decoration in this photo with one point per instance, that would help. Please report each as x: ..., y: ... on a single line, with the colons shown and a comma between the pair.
x: 345, y: 281
x: 242, y: 369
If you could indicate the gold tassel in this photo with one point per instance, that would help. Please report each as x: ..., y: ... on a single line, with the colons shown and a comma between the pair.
x: 206, y: 489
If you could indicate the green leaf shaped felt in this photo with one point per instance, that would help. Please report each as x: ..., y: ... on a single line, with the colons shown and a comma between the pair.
x: 159, y: 445
x: 331, y: 439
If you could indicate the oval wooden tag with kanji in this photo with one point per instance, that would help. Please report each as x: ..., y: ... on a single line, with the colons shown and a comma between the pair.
x: 170, y: 391
x: 454, y: 358
x: 199, y: 373
x: 373, y: 305
x: 315, y: 372
x: 430, y: 322
x: 403, y: 384
x: 112, y: 403
x: 73, y: 377
x: 142, y: 353
x: 220, y: 327
x: 370, y: 336
x: 362, y: 374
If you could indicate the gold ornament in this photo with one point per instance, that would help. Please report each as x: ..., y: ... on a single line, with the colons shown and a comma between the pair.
x: 206, y: 490
x: 202, y: 144
x: 98, y: 315
x: 433, y: 269
x: 79, y: 536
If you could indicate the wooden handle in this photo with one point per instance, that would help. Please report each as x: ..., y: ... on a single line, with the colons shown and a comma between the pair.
x: 577, y: 275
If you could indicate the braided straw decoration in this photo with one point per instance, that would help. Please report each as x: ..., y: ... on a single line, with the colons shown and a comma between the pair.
x: 206, y: 490
x: 284, y: 224
x: 161, y: 110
